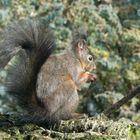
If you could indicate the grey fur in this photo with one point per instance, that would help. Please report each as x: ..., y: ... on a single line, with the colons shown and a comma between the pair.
x: 34, y: 45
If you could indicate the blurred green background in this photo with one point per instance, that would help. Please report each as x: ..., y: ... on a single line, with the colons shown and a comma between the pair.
x: 113, y: 29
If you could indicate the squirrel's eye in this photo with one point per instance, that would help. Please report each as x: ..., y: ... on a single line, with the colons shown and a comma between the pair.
x: 90, y: 58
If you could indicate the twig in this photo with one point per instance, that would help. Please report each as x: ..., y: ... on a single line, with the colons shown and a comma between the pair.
x: 124, y: 100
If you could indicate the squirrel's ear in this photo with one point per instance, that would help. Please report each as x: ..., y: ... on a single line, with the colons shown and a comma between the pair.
x: 79, y: 40
x: 81, y: 44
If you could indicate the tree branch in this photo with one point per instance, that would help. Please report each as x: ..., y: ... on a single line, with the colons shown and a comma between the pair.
x: 124, y: 100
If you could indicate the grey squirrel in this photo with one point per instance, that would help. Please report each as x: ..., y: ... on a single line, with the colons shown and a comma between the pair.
x: 46, y: 85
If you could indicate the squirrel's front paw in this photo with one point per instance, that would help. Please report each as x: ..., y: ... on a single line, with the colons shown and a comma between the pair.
x: 92, y: 78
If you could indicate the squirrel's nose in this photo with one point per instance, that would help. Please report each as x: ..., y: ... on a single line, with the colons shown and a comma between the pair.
x: 94, y: 67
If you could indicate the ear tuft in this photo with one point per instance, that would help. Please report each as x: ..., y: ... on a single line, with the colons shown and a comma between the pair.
x: 79, y: 38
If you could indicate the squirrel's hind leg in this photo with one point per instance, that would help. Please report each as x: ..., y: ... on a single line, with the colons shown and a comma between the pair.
x: 61, y: 104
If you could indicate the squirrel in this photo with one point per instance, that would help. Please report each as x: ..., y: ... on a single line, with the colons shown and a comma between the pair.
x: 46, y: 85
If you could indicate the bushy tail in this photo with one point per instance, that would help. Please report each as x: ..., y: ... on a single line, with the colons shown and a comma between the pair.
x: 34, y: 46
x: 6, y: 52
